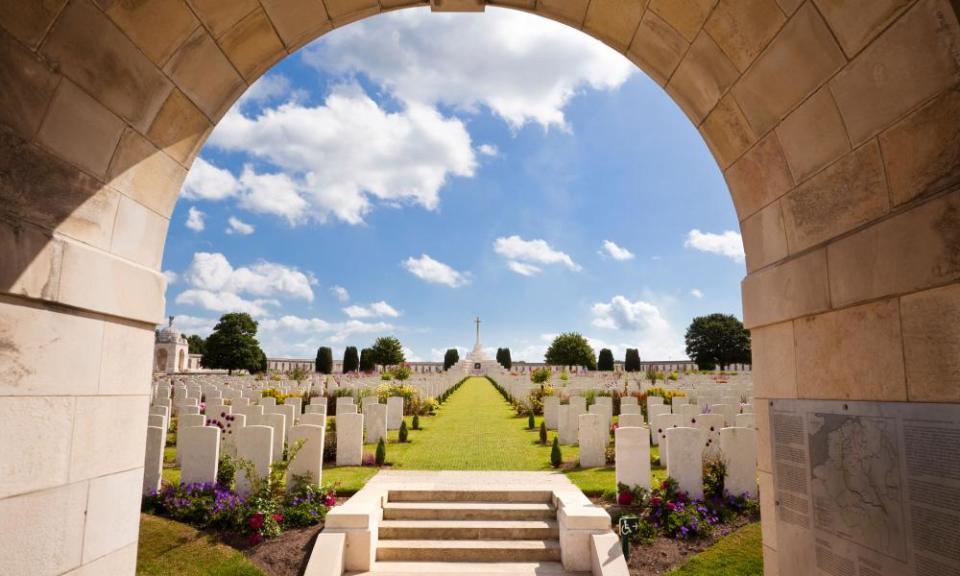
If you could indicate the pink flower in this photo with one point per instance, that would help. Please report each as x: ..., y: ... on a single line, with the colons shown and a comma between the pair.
x: 671, y: 506
x: 278, y: 518
x: 625, y: 498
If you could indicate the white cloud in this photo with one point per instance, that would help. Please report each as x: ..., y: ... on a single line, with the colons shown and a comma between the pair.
x: 268, y: 87
x: 616, y: 252
x: 488, y: 150
x: 335, y: 159
x: 376, y: 310
x: 187, y: 324
x: 223, y: 301
x: 728, y: 244
x: 299, y: 337
x: 171, y: 277
x: 340, y: 292
x: 207, y: 182
x: 696, y: 293
x: 525, y: 256
x: 410, y: 355
x: 524, y: 269
x: 217, y: 286
x: 646, y: 324
x: 524, y: 68
x: 238, y: 226
x: 430, y: 270
x: 195, y: 219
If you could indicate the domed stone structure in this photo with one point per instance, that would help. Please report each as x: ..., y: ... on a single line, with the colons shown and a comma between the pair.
x: 171, y: 352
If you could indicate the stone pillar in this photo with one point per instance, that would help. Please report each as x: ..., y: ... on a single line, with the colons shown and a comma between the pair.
x: 633, y: 456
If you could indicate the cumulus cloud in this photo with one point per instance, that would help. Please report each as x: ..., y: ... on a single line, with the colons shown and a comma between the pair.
x: 171, y: 276
x: 208, y: 182
x: 696, y: 293
x: 488, y: 150
x: 340, y: 292
x: 728, y: 244
x: 238, y: 226
x: 526, y: 256
x: 268, y: 87
x: 611, y: 249
x: 194, y: 324
x: 195, y: 219
x: 430, y: 270
x: 523, y: 68
x: 644, y: 322
x: 215, y: 285
x: 336, y: 159
x: 376, y: 310
x: 297, y: 336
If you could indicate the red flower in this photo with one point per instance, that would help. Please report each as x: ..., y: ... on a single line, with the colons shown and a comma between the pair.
x: 256, y: 521
x: 278, y: 518
x: 664, y: 485
x: 625, y: 498
x: 671, y: 506
x: 330, y: 501
x: 255, y: 538
x: 655, y: 501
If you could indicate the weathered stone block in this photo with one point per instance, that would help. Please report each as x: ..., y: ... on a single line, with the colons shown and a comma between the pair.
x: 252, y: 45
x: 614, y: 21
x: 685, y: 17
x: 702, y: 77
x: 727, y: 132
x: 931, y: 344
x: 759, y: 177
x: 813, y: 135
x: 742, y: 28
x: 657, y: 48
x: 788, y: 290
x: 764, y: 237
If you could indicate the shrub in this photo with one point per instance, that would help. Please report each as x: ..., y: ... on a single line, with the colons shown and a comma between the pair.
x: 410, y: 395
x: 226, y: 471
x: 543, y: 433
x: 535, y: 400
x: 531, y: 423
x: 402, y: 435
x: 381, y: 456
x: 401, y: 372
x: 540, y: 375
x: 556, y: 457
x: 416, y: 422
x: 714, y: 471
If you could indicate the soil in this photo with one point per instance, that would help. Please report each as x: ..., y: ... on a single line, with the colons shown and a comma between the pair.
x: 665, y: 554
x: 287, y: 554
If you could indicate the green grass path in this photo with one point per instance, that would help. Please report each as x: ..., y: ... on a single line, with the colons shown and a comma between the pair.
x: 738, y: 554
x: 168, y: 548
x: 475, y: 429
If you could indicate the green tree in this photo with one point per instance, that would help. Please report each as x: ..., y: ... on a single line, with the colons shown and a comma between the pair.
x: 233, y: 345
x: 543, y: 432
x: 506, y: 361
x: 196, y: 344
x: 324, y: 361
x: 381, y: 455
x: 387, y: 351
x: 499, y: 356
x: 450, y: 358
x: 717, y: 340
x: 402, y: 434
x: 571, y: 349
x: 605, y: 360
x: 556, y: 458
x: 631, y: 362
x: 351, y: 360
x: 367, y: 363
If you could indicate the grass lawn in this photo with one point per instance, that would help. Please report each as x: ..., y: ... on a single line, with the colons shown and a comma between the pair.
x: 349, y: 479
x: 169, y: 548
x: 475, y: 429
x: 739, y: 554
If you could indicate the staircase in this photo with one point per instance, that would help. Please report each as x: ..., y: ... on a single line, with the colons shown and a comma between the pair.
x: 469, y: 532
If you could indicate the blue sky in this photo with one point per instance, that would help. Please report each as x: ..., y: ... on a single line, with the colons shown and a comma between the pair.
x: 387, y: 179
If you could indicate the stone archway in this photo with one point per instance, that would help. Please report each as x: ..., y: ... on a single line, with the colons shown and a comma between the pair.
x: 836, y: 124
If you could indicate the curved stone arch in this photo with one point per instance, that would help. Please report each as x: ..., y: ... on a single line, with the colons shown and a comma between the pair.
x: 835, y: 124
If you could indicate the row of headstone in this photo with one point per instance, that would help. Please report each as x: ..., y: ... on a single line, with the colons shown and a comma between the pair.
x: 685, y: 450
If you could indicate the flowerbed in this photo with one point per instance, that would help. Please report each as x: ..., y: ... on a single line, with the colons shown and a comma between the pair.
x: 670, y: 512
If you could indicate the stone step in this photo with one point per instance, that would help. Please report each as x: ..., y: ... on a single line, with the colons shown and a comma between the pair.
x: 468, y: 530
x: 473, y: 569
x: 468, y: 511
x: 542, y: 496
x: 468, y: 550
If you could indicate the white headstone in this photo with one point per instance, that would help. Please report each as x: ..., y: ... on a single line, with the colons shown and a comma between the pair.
x: 375, y: 422
x: 254, y: 444
x: 279, y: 424
x: 685, y: 459
x: 710, y: 424
x: 187, y: 421
x: 200, y: 454
x: 347, y: 409
x: 632, y: 420
x: 268, y: 401
x: 746, y: 421
x: 349, y: 439
x: 738, y: 446
x: 633, y: 456
x: 550, y: 405
x: 592, y: 438
x: 309, y: 459
x: 565, y: 429
x: 153, y: 459
x: 316, y: 407
x: 314, y: 419
x: 630, y: 409
x: 394, y: 412
x: 729, y: 412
